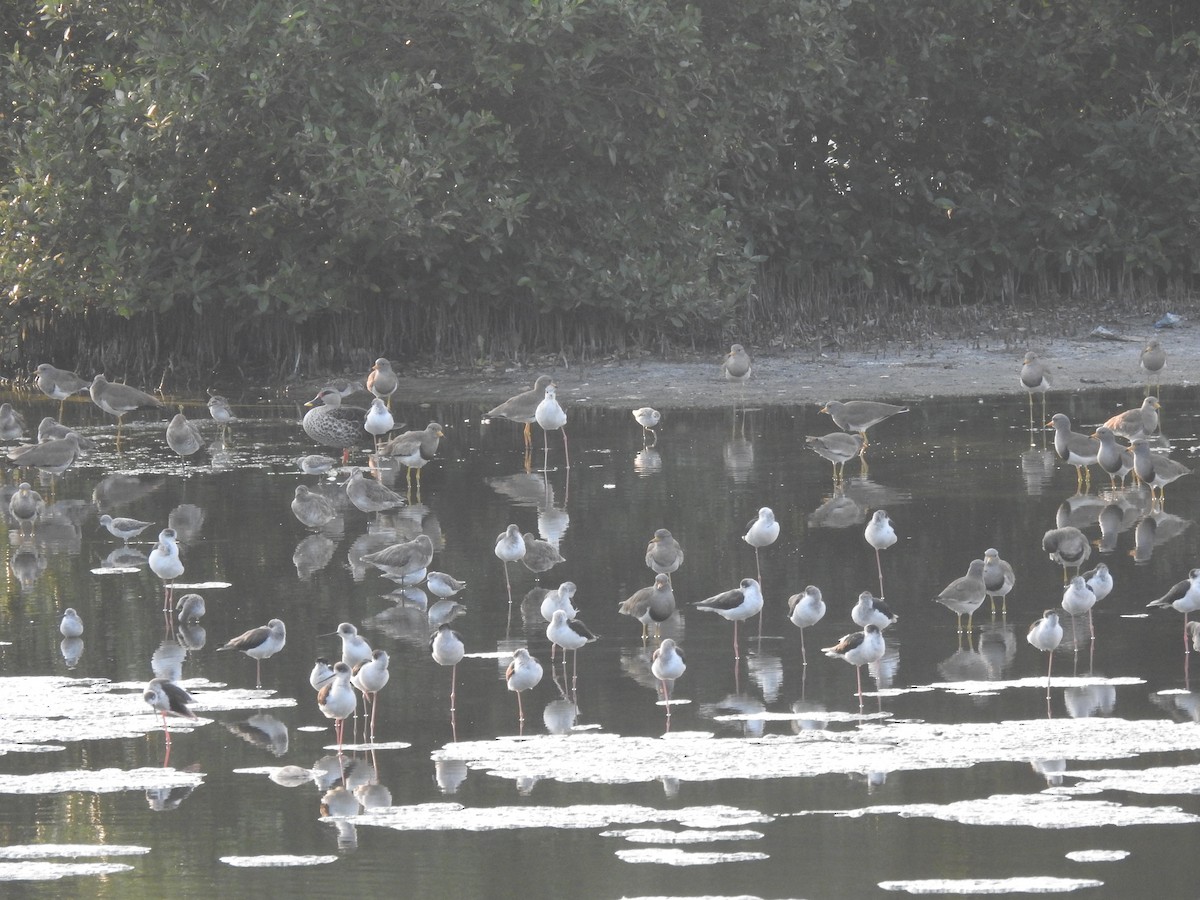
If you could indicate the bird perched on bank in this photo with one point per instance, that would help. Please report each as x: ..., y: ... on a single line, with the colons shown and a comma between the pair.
x: 259, y: 643
x: 859, y: 415
x: 736, y: 366
x: 1067, y: 546
x: 382, y: 381
x: 1035, y: 381
x: 1152, y: 359
x: 122, y: 527
x: 663, y: 553
x: 1079, y: 450
x: 523, y: 407
x: 648, y: 418
x: 1141, y: 422
x: 838, y: 447
x: 414, y: 449
x: 654, y: 604
x: 331, y: 424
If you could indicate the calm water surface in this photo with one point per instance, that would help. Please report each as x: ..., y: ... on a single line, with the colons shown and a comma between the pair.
x: 763, y: 752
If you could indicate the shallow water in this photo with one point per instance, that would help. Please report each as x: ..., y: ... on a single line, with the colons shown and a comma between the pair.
x: 956, y: 776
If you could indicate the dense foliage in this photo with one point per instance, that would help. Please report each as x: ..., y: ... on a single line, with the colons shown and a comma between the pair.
x: 286, y: 182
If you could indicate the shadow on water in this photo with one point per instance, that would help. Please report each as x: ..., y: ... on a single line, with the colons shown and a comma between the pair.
x: 954, y: 730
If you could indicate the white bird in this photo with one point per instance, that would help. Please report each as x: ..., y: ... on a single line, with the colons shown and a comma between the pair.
x: 880, y: 534
x: 447, y: 648
x: 355, y: 648
x: 667, y: 666
x: 559, y: 598
x: 648, y: 418
x: 259, y: 643
x: 805, y: 610
x: 522, y: 674
x: 71, y: 625
x: 378, y: 420
x: 872, y: 611
x: 570, y: 634
x: 761, y: 532
x: 336, y: 700
x: 551, y: 417
x: 168, y: 699
x: 1100, y: 580
x: 1184, y: 597
x: 321, y: 674
x: 510, y: 546
x: 1046, y: 634
x: 742, y: 602
x: 371, y: 677
x: 1078, y: 599
x: 859, y: 648
x: 165, y: 562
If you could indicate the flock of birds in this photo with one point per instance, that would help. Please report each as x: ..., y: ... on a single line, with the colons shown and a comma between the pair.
x: 334, y: 424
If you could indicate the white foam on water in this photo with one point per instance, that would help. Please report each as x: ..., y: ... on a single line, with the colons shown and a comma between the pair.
x: 51, y: 871
x: 963, y: 886
x: 98, y: 781
x: 202, y: 586
x: 604, y: 758
x: 278, y: 861
x: 455, y: 817
x: 382, y: 745
x: 69, y: 851
x: 669, y: 857
x: 1097, y: 855
x: 1165, y: 780
x: 1045, y: 811
x: 114, y: 570
x: 689, y: 836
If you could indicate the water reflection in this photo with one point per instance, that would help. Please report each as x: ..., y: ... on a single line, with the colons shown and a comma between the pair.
x: 955, y: 475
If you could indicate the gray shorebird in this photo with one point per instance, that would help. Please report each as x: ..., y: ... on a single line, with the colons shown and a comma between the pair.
x: 414, y: 449
x: 12, y: 423
x: 369, y: 496
x: 1156, y: 470
x: 859, y: 415
x: 1114, y: 459
x: 183, y: 436
x: 839, y: 448
x: 964, y: 595
x: 259, y: 643
x: 998, y: 578
x: 523, y: 407
x: 382, y: 381
x: 1035, y: 381
x: 59, y: 384
x: 1140, y: 422
x: 663, y: 553
x: 737, y: 365
x: 654, y: 604
x: 123, y: 528
x: 120, y: 399
x: 1067, y: 546
x: 1079, y: 450
x: 1152, y: 359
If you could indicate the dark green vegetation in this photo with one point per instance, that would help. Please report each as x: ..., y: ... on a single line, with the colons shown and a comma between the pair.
x: 287, y: 184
